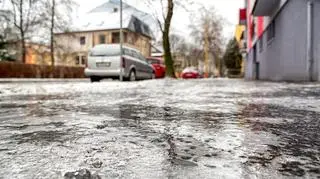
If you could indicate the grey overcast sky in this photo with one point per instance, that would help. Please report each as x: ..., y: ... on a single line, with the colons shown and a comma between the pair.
x: 228, y: 9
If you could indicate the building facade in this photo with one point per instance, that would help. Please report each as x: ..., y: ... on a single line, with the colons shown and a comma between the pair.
x: 72, y: 48
x: 283, y: 44
x: 102, y: 26
x: 239, y: 35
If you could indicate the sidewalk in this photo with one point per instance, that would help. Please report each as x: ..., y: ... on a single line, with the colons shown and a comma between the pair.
x: 42, y: 80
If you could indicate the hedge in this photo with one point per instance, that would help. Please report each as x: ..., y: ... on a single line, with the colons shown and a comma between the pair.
x: 20, y: 70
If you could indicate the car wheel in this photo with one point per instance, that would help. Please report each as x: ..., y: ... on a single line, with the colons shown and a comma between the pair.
x: 132, y: 76
x: 94, y: 79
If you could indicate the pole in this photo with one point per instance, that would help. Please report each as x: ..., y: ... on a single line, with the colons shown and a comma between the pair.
x: 206, y: 48
x: 121, y: 42
x: 310, y: 40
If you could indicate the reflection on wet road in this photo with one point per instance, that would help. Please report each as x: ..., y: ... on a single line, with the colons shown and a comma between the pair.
x: 160, y: 129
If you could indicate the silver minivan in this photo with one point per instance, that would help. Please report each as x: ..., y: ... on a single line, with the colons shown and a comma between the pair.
x: 105, y: 61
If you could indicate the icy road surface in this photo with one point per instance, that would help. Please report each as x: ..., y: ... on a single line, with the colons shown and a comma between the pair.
x: 160, y: 129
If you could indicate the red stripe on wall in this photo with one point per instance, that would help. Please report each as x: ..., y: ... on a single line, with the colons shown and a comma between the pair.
x: 260, y: 26
x: 249, y: 24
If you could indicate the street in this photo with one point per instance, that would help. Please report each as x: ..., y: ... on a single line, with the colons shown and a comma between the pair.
x: 209, y: 128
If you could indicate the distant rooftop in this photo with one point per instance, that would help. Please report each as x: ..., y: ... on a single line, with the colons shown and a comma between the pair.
x: 107, y: 17
x: 113, y: 5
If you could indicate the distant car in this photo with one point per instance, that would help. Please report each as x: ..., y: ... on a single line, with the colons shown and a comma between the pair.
x: 190, y: 73
x: 158, y: 65
x: 105, y: 61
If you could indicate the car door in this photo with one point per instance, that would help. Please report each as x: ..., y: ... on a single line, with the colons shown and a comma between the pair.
x: 126, y: 61
x: 147, y: 68
x: 140, y: 73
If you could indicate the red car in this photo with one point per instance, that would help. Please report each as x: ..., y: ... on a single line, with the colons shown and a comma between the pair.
x: 158, y: 65
x: 190, y: 73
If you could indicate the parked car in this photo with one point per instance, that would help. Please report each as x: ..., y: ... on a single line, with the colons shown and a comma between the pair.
x: 105, y: 61
x: 158, y: 65
x: 190, y: 73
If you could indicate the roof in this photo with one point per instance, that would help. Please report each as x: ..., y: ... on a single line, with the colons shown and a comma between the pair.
x: 109, y: 21
x: 127, y: 9
x: 109, y: 6
x: 156, y: 49
x: 107, y: 17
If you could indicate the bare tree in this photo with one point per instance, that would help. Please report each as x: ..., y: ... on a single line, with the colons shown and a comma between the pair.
x: 26, y: 17
x: 53, y: 14
x: 58, y: 17
x: 164, y: 19
x: 206, y: 28
x: 176, y: 42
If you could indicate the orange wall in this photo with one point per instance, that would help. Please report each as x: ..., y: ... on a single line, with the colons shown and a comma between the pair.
x: 34, y: 57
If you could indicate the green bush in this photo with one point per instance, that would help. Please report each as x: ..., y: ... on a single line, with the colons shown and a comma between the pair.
x: 3, y: 50
x: 232, y: 57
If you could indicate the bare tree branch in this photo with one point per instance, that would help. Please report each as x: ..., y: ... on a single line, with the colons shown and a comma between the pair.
x: 162, y: 9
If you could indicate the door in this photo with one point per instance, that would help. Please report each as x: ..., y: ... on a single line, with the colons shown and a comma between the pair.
x: 142, y: 66
x: 147, y: 68
x: 138, y: 65
x: 255, y: 64
x: 257, y: 71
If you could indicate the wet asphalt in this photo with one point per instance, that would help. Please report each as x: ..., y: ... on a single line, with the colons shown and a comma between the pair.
x: 209, y: 128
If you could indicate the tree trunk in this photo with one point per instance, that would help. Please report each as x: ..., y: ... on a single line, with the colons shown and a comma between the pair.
x: 220, y: 67
x: 51, y: 33
x: 23, y: 40
x: 166, y: 41
x: 23, y: 47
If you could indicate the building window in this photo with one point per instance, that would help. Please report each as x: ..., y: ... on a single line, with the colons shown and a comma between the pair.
x: 261, y: 44
x: 102, y: 39
x: 82, y: 40
x: 77, y: 59
x: 83, y: 60
x: 271, y: 31
x: 115, y: 10
x: 130, y: 40
x: 115, y: 37
x: 125, y: 37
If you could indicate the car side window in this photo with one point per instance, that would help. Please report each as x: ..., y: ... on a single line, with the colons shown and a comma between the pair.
x: 134, y: 54
x: 141, y: 57
x: 127, y: 52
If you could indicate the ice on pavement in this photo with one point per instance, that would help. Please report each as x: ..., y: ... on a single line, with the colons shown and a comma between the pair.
x: 160, y: 129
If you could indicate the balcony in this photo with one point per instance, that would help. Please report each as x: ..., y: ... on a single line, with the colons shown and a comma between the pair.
x: 264, y: 7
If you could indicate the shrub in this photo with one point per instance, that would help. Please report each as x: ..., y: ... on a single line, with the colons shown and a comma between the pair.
x: 20, y: 70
